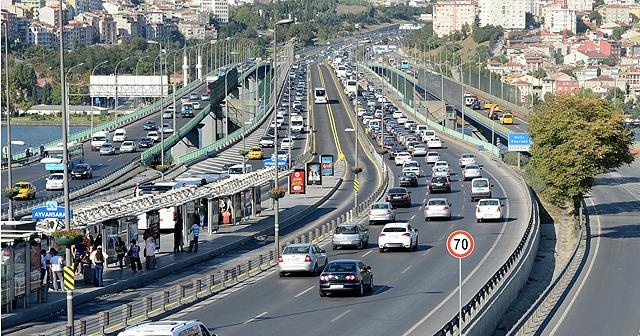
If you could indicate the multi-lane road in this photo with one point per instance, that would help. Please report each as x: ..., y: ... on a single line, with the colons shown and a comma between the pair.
x: 413, y: 291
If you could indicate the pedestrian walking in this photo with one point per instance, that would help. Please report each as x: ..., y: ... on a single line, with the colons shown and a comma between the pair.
x: 43, y: 266
x: 41, y: 151
x: 121, y: 250
x: 57, y: 263
x: 134, y: 256
x: 86, y: 265
x: 193, y: 244
x: 80, y: 251
x: 99, y: 259
x: 150, y: 252
x: 177, y: 236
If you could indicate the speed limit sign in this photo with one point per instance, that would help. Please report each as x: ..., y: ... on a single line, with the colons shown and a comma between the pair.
x: 460, y: 244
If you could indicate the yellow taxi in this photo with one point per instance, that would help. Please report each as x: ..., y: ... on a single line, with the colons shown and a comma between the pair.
x: 26, y: 190
x: 255, y: 154
x: 506, y: 118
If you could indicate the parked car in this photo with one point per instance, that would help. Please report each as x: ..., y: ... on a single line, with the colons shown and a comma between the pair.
x: 350, y: 235
x: 488, y: 209
x: 399, y: 197
x: 437, y: 208
x: 82, y: 171
x: 398, y: 235
x: 305, y: 257
x: 346, y: 276
x: 381, y: 212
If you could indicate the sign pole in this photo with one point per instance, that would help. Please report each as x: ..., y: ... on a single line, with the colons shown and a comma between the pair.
x: 460, y: 294
x: 460, y: 244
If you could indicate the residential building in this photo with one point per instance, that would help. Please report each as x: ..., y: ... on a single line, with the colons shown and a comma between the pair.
x: 557, y: 19
x: 603, y: 47
x: 128, y: 25
x: 41, y: 34
x: 33, y: 4
x: 559, y: 83
x: 508, y: 14
x: 78, y: 34
x: 576, y: 58
x: 580, y: 5
x: 615, y: 14
x: 49, y: 14
x: 604, y: 82
x: 159, y: 31
x: 219, y: 8
x: 107, y: 30
x: 450, y: 15
x: 11, y: 21
x: 81, y: 6
x: 196, y: 30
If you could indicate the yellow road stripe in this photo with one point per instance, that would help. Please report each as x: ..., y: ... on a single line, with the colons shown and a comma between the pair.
x: 332, y: 123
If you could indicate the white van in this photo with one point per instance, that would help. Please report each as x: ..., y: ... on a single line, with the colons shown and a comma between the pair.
x: 374, y: 123
x: 168, y: 328
x: 120, y: 135
x: 428, y: 135
x: 480, y: 188
x: 420, y: 129
x: 297, y: 125
x: 239, y: 169
x: 98, y: 139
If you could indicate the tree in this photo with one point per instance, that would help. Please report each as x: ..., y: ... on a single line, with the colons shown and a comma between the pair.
x: 466, y: 29
x: 539, y: 73
x: 595, y: 17
x: 574, y: 139
x: 487, y: 33
x: 616, y: 33
x: 22, y: 82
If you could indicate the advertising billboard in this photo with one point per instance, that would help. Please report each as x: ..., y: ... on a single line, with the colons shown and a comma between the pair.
x: 297, y: 182
x: 326, y: 161
x: 313, y: 173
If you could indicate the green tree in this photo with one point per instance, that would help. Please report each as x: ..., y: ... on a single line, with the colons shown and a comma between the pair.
x: 574, y: 139
x: 595, y: 17
x: 22, y: 82
x: 539, y: 73
x: 466, y: 29
x: 487, y: 33
x: 616, y: 33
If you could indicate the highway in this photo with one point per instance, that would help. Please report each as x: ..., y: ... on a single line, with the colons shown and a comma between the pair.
x: 604, y: 300
x: 102, y: 165
x: 413, y: 292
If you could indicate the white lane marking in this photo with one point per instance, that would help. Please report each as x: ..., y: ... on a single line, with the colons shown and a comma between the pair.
x: 586, y: 276
x: 366, y: 254
x: 304, y: 291
x: 406, y: 269
x: 341, y: 315
x: 424, y: 200
x: 412, y: 217
x: 425, y: 252
x: 255, y: 318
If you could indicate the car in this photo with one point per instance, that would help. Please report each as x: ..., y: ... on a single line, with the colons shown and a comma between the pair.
x: 434, y: 143
x: 168, y: 328
x: 82, y: 171
x: 419, y: 150
x: 55, y: 181
x: 196, y: 105
x: 345, y: 275
x: 399, y: 197
x: 480, y: 188
x: 266, y: 141
x: 350, y: 235
x: 402, y: 120
x: 26, y: 190
x: 401, y: 157
x: 128, y: 147
x: 465, y: 159
x: 411, y: 166
x: 194, y: 96
x: 107, y: 149
x: 167, y: 114
x: 150, y: 126
x: 432, y: 157
x: 166, y: 128
x: 145, y: 142
x: 186, y: 112
x: 408, y: 179
x: 204, y: 96
x: 397, y: 114
x: 440, y: 172
x: 281, y: 111
x: 437, y: 208
x: 398, y: 235
x: 442, y: 163
x: 439, y: 183
x: 471, y: 171
x: 154, y: 135
x: 381, y: 212
x: 286, y: 143
x: 119, y: 135
x: 255, y: 153
x: 488, y: 209
x: 303, y: 257
x: 184, y: 99
x: 477, y: 105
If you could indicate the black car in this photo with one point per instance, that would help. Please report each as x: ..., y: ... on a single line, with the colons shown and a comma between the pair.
x: 408, y: 179
x: 399, y: 197
x: 145, y: 142
x: 82, y: 171
x: 439, y: 183
x: 150, y: 126
x: 346, y: 276
x: 477, y: 105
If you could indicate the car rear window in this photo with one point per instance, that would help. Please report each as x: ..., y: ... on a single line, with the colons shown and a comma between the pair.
x: 341, y: 267
x: 480, y: 183
x: 379, y: 206
x: 394, y: 229
x: 472, y: 167
x: 296, y: 250
x: 397, y: 191
x: 437, y: 202
x: 439, y: 179
x: 489, y: 202
x: 346, y: 230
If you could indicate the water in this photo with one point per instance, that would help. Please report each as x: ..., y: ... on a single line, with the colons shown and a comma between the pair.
x: 35, y: 135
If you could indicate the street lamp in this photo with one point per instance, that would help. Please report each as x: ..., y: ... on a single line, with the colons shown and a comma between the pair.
x: 68, y: 89
x: 161, y: 100
x: 6, y: 74
x: 244, y: 146
x: 276, y: 202
x: 355, y: 139
x: 115, y: 111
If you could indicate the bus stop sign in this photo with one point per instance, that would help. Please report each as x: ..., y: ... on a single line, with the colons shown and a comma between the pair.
x: 51, y: 210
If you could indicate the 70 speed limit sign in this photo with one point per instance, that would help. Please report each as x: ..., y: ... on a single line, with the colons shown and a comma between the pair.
x: 460, y: 244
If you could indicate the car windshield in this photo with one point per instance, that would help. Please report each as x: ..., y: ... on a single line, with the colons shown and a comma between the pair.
x: 468, y: 156
x: 440, y: 169
x: 81, y: 167
x: 480, y: 183
x: 379, y: 206
x: 408, y: 174
x: 55, y: 177
x: 437, y: 202
x: 433, y: 154
x: 489, y: 202
x: 22, y: 185
x: 411, y: 164
x: 296, y: 250
x: 341, y: 267
x: 394, y: 229
x: 346, y: 230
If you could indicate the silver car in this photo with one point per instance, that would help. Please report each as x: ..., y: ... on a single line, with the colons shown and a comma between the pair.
x: 381, y: 212
x: 351, y: 235
x: 305, y: 257
x: 471, y: 171
x: 437, y: 208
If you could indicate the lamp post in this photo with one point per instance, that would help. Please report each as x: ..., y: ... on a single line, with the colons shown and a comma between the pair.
x: 276, y: 202
x: 68, y: 89
x: 161, y: 99
x: 355, y: 163
x: 6, y: 74
x: 115, y: 111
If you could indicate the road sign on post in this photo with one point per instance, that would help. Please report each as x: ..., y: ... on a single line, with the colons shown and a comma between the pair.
x: 519, y: 142
x: 460, y: 244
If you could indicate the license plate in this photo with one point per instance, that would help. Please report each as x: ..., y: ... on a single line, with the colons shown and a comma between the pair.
x: 336, y: 286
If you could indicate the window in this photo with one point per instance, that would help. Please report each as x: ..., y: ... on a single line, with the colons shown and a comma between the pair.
x: 346, y: 230
x: 395, y: 229
x: 341, y: 267
x: 204, y: 331
x: 296, y: 250
x: 191, y: 331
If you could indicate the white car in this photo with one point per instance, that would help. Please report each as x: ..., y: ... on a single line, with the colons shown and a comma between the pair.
x: 119, y: 135
x: 442, y: 163
x: 286, y: 143
x: 411, y: 166
x: 440, y: 171
x: 204, y: 96
x: 488, y: 209
x: 154, y: 135
x: 303, y: 257
x: 401, y: 235
x: 471, y: 171
x: 168, y: 328
x: 184, y: 99
x: 55, y: 182
x: 434, y: 143
x: 402, y: 120
x: 266, y: 141
x: 432, y: 157
x: 401, y: 157
x: 419, y: 150
x: 196, y: 105
x: 437, y: 208
x: 166, y: 128
x: 128, y: 147
x: 427, y: 135
x: 397, y: 114
x: 465, y: 159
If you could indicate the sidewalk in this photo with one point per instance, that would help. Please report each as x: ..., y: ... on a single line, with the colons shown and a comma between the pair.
x: 293, y: 208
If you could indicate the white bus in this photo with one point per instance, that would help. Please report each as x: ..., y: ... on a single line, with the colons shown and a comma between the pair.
x: 320, y: 96
x: 351, y: 88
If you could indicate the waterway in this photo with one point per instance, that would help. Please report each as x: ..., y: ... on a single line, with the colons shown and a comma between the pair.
x: 35, y: 135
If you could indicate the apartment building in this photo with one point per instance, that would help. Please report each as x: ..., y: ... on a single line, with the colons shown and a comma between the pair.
x: 196, y: 30
x: 580, y: 5
x: 219, y: 8
x: 130, y: 25
x: 508, y: 14
x: 82, y: 6
x: 615, y: 14
x: 78, y: 34
x: 450, y: 15
x: 32, y: 4
x: 49, y: 14
x: 41, y: 34
x: 557, y: 19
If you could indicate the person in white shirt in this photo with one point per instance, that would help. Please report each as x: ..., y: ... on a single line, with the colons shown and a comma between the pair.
x: 150, y: 252
x: 99, y: 260
x: 57, y: 262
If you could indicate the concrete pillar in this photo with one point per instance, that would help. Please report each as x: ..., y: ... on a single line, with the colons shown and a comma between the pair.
x: 199, y: 65
x: 185, y: 68
x: 208, y: 131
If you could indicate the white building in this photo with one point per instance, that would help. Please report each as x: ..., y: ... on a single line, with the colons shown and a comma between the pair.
x: 450, y: 15
x: 557, y: 19
x: 580, y: 5
x: 508, y: 14
x: 219, y: 8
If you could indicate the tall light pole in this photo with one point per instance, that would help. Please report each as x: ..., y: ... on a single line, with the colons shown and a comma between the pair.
x: 115, y: 111
x: 161, y: 99
x: 6, y: 77
x: 68, y: 89
x: 355, y: 160
x: 276, y: 202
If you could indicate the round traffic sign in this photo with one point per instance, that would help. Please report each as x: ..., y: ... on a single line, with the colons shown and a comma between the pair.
x: 460, y: 244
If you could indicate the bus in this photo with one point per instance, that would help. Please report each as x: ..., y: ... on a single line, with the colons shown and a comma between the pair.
x: 351, y: 88
x: 404, y: 65
x: 53, y: 157
x: 320, y: 96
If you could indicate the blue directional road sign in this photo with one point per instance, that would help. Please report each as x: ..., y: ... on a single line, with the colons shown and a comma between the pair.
x: 50, y: 210
x: 268, y: 162
x: 519, y: 142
